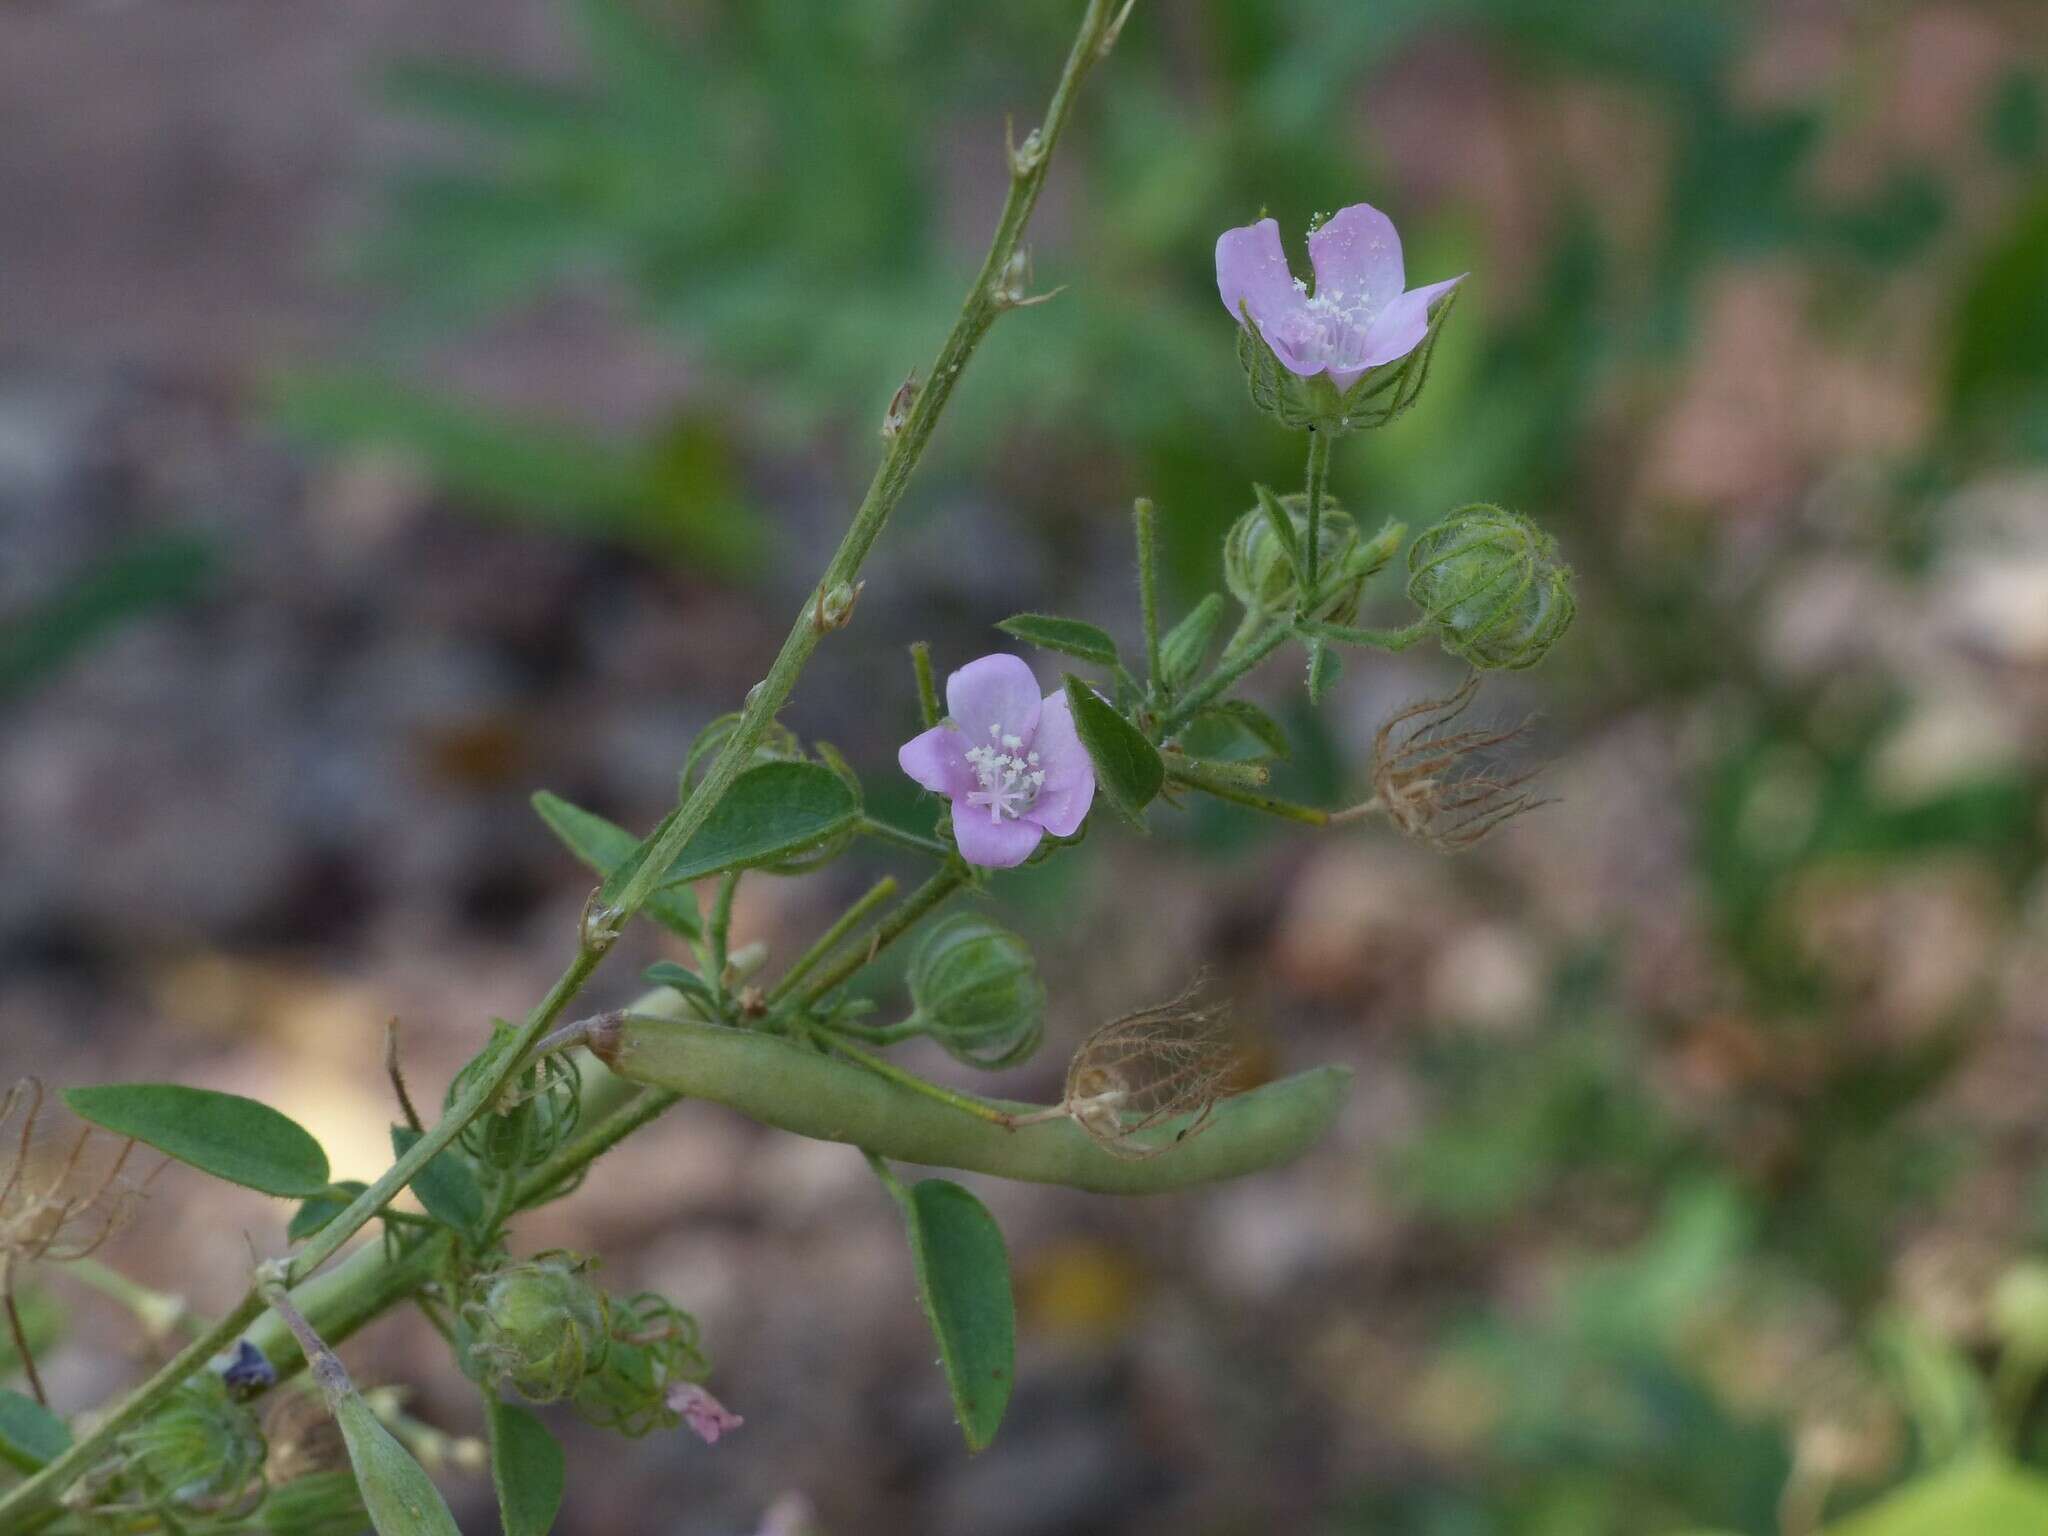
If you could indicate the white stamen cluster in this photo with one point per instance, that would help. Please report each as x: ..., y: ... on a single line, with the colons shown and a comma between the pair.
x: 1326, y: 329
x: 1010, y: 777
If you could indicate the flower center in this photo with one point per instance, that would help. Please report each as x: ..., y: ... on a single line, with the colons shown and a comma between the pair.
x: 1326, y: 329
x: 1010, y: 777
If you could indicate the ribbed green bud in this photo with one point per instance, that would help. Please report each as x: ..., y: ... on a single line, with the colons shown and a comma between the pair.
x: 1491, y: 583
x: 201, y: 1452
x: 533, y: 1115
x: 537, y: 1326
x: 1260, y: 575
x: 654, y: 1347
x: 977, y: 992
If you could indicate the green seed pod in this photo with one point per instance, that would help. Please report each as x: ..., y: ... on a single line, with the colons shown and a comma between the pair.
x: 1260, y: 576
x: 977, y: 992
x: 1491, y: 583
x: 200, y: 1453
x: 536, y: 1325
x: 654, y: 1346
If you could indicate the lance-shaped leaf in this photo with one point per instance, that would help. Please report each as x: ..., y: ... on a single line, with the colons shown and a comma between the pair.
x: 527, y: 1468
x: 773, y: 812
x: 963, y: 1282
x: 1127, y: 766
x: 1070, y: 637
x: 223, y: 1134
x: 604, y: 846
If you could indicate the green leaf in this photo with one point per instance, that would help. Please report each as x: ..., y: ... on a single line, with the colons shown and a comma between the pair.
x: 447, y: 1186
x: 1282, y: 527
x: 1246, y: 719
x: 1983, y: 1496
x: 1070, y: 637
x: 527, y: 1468
x: 1323, y: 667
x: 1187, y: 643
x: 773, y: 811
x: 1127, y: 766
x: 30, y: 1435
x: 963, y: 1281
x: 223, y: 1134
x: 667, y: 973
x: 322, y: 1208
x: 604, y: 846
x: 400, y: 1498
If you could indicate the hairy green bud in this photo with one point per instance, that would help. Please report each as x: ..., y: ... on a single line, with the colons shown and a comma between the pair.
x: 1492, y: 585
x: 534, y: 1113
x: 977, y: 992
x: 1182, y: 651
x: 324, y: 1503
x: 1260, y: 575
x: 200, y: 1453
x: 537, y: 1326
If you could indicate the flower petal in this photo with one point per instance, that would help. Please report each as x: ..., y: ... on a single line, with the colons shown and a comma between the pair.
x: 1402, y: 324
x: 1069, y: 788
x: 998, y: 691
x: 1357, y: 257
x: 992, y: 844
x: 1251, y: 270
x: 938, y: 760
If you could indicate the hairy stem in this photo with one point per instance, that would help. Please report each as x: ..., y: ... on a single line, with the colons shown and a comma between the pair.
x: 1146, y: 520
x: 1318, y: 484
x: 1235, y: 663
x: 833, y: 936
x: 907, y: 914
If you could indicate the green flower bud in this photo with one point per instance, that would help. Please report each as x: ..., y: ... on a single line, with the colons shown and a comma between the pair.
x: 977, y: 992
x: 1259, y: 574
x: 654, y: 1347
x: 537, y: 1326
x: 1492, y: 585
x: 200, y: 1453
x: 1185, y: 645
x: 326, y: 1503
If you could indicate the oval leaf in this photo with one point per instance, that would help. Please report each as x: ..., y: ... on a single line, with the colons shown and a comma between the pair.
x: 773, y: 811
x: 527, y: 1468
x: 322, y: 1208
x: 1247, y: 722
x: 1127, y: 766
x: 399, y: 1496
x: 223, y: 1134
x: 1070, y: 637
x: 604, y: 846
x: 446, y: 1187
x: 963, y: 1281
x: 31, y: 1436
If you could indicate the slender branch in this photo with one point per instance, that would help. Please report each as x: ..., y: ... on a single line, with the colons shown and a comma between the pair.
x: 1146, y: 520
x: 18, y: 1333
x: 883, y: 832
x: 929, y: 709
x: 889, y: 930
x: 1234, y: 665
x: 1237, y: 794
x: 831, y: 938
x: 1319, y: 443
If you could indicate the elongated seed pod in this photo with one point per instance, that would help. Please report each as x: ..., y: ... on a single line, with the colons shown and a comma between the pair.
x: 792, y: 1089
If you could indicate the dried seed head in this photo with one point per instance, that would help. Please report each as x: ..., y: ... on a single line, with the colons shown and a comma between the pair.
x: 1435, y: 783
x: 65, y: 1188
x: 1145, y: 1082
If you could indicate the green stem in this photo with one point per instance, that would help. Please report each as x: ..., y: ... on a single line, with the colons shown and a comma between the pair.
x: 889, y: 1072
x: 159, y: 1313
x: 928, y: 707
x: 880, y: 1034
x: 718, y: 932
x: 1234, y: 665
x: 899, y: 922
x: 1223, y: 789
x: 986, y: 301
x: 1146, y: 519
x: 883, y: 832
x: 1319, y: 443
x: 1374, y: 639
x: 832, y: 937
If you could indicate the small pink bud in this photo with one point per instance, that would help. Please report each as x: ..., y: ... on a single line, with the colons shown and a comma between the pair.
x: 707, y: 1417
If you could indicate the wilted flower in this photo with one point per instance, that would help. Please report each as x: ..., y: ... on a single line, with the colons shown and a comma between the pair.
x: 1430, y: 782
x: 1144, y: 1071
x: 1361, y: 315
x: 1009, y: 760
x: 707, y: 1417
x: 61, y: 1194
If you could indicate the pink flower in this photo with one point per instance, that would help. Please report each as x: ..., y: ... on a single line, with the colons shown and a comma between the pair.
x: 1010, y: 761
x: 1359, y: 316
x: 707, y: 1417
